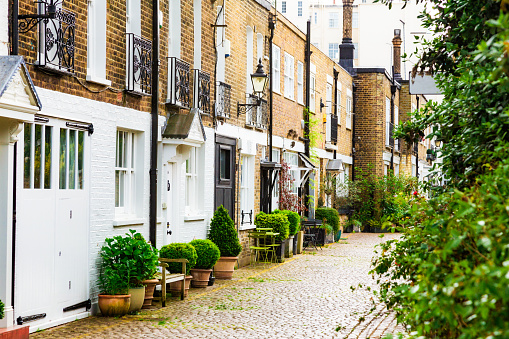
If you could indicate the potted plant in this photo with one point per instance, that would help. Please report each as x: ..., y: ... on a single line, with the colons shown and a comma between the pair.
x: 279, y: 224
x: 115, y: 299
x: 1, y: 309
x: 142, y: 269
x: 179, y: 251
x: 294, y: 228
x: 208, y: 255
x: 329, y: 216
x: 224, y: 235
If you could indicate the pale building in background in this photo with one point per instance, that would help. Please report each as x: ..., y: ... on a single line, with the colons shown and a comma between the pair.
x: 373, y: 26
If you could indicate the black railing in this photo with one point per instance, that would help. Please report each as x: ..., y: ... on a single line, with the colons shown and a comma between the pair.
x: 56, y: 41
x: 223, y: 100
x: 389, y: 134
x: 138, y: 64
x: 256, y: 116
x: 179, y: 90
x: 334, y: 128
x: 201, y: 93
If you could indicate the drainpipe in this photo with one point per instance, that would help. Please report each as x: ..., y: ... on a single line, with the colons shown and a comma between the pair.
x: 307, y: 60
x: 272, y: 26
x: 417, y: 151
x: 336, y: 73
x: 154, y: 129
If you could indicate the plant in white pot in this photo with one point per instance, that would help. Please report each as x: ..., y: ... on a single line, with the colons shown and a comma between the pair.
x: 224, y: 235
x: 208, y: 255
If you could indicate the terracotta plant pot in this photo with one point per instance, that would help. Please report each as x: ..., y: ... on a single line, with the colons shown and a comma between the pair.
x: 150, y: 286
x: 176, y: 286
x: 224, y: 267
x: 114, y: 305
x: 200, y: 277
x: 137, y: 298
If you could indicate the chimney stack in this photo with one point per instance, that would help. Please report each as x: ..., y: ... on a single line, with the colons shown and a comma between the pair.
x: 346, y: 49
x: 396, y: 52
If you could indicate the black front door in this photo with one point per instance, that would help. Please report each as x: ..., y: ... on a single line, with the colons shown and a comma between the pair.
x: 225, y: 174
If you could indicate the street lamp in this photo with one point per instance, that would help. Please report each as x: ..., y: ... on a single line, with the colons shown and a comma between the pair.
x: 438, y: 143
x: 259, y: 80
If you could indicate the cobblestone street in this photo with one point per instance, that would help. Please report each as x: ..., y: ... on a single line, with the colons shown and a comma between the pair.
x: 308, y: 296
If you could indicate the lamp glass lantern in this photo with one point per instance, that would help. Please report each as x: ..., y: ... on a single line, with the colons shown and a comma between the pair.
x: 259, y: 80
x: 438, y: 143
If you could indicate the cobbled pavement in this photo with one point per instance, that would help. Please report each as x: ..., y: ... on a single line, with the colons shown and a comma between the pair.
x: 308, y: 296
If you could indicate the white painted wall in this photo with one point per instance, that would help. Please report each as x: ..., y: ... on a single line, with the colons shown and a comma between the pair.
x: 4, y: 27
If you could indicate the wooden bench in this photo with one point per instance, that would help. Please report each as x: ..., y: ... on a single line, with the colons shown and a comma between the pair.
x: 164, y: 277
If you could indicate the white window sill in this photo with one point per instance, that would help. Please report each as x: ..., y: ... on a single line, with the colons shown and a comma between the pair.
x: 350, y: 128
x: 330, y: 146
x: 246, y: 227
x: 194, y: 217
x: 127, y: 221
x: 97, y: 80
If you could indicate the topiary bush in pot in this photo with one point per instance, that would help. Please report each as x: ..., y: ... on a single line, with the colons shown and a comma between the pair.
x: 1, y: 309
x: 223, y: 233
x: 278, y: 222
x: 179, y: 251
x: 293, y: 219
x: 208, y: 253
x: 329, y: 216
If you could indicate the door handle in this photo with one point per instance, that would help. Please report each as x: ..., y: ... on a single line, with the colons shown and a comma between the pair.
x: 168, y: 187
x: 168, y: 232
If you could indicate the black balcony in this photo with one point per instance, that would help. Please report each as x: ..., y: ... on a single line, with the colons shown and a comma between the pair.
x: 138, y: 64
x: 256, y: 116
x: 56, y: 41
x: 334, y: 129
x: 179, y: 88
x: 201, y: 91
x: 223, y: 100
x: 389, y: 134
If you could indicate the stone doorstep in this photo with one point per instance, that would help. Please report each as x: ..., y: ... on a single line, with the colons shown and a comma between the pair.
x: 15, y: 332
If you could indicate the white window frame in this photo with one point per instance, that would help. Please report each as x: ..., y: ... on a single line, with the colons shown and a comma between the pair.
x: 247, y: 190
x: 299, y: 8
x: 300, y: 83
x: 289, y: 77
x: 283, y: 7
x: 333, y: 19
x: 312, y: 93
x: 387, y: 119
x: 125, y: 201
x: 276, y: 69
x: 348, y: 122
x: 96, y: 43
x: 249, y: 59
x: 328, y: 110
x: 355, y: 20
x: 338, y: 103
x: 356, y: 50
x: 292, y: 159
x: 191, y: 185
x: 334, y: 48
x: 396, y: 121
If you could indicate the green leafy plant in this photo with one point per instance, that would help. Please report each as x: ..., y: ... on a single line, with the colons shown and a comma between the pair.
x: 329, y: 216
x: 208, y: 253
x: 278, y: 222
x: 144, y: 256
x: 179, y: 251
x: 1, y: 309
x: 116, y: 266
x: 223, y: 233
x: 328, y: 228
x: 293, y: 219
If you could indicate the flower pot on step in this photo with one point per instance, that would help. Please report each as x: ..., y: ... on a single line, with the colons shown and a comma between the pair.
x: 200, y: 277
x: 150, y: 286
x: 114, y: 305
x: 224, y: 267
x: 176, y: 287
x: 137, y: 298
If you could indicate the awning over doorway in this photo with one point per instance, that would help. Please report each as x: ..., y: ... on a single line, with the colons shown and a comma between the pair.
x: 18, y: 98
x: 335, y: 165
x: 185, y: 126
x: 306, y: 170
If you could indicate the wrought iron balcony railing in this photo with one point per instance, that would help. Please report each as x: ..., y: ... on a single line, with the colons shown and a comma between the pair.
x: 389, y: 134
x: 56, y: 41
x: 256, y: 116
x: 201, y: 91
x: 179, y: 88
x: 138, y: 64
x: 223, y: 94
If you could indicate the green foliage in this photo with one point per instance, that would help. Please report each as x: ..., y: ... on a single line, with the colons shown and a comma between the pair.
x: 449, y: 275
x: 223, y: 233
x: 293, y: 219
x: 179, y: 251
x: 208, y: 253
x: 328, y: 228
x: 376, y: 200
x: 278, y: 222
x: 125, y: 262
x: 1, y: 309
x: 329, y: 216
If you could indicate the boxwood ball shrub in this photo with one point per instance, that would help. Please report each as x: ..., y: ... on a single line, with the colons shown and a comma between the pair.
x: 208, y: 253
x: 179, y: 251
x: 293, y: 219
x: 223, y: 233
x: 1, y: 309
x: 278, y: 222
x: 328, y: 215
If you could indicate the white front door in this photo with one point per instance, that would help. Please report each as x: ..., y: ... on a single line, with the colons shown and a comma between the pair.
x: 171, y: 207
x: 51, y: 261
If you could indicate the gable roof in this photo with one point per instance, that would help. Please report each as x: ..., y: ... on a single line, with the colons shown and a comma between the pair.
x: 185, y: 126
x: 10, y: 65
